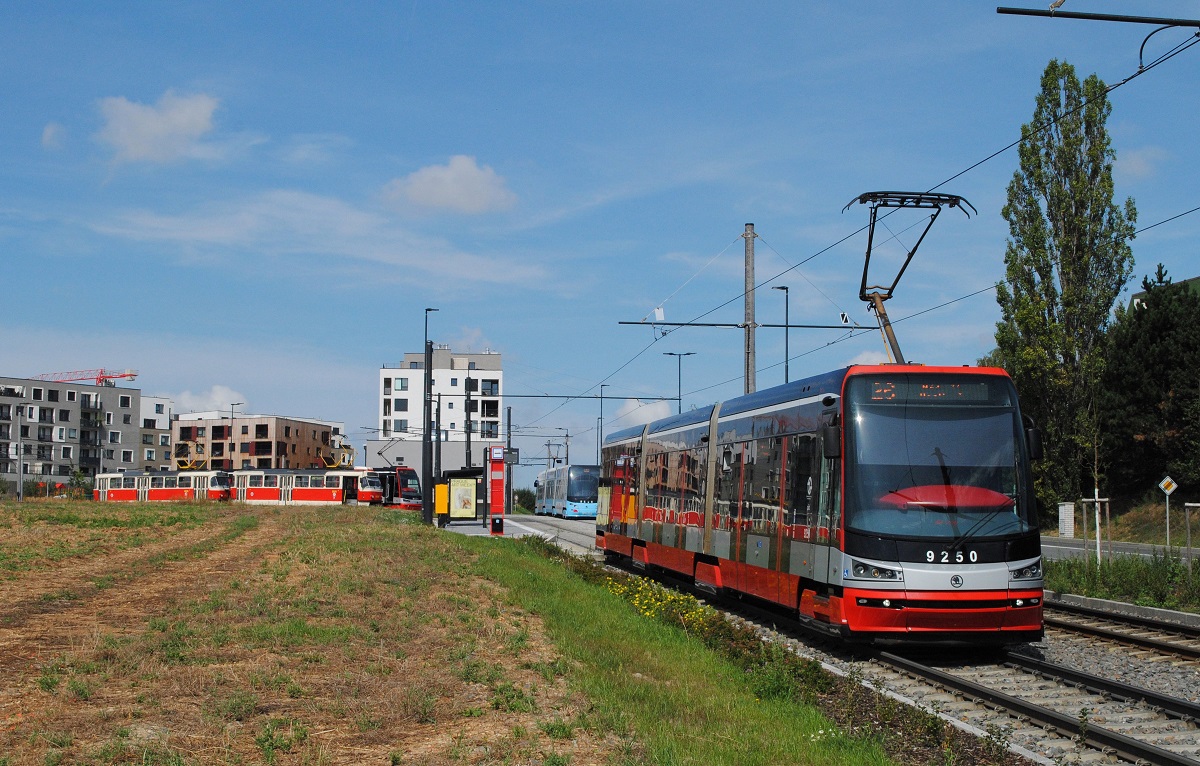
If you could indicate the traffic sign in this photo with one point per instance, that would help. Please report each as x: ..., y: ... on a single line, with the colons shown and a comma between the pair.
x: 1167, y: 485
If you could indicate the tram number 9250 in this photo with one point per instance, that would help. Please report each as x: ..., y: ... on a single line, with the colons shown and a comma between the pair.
x: 951, y: 557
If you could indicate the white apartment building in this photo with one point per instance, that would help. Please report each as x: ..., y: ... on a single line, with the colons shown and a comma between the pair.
x: 402, y: 397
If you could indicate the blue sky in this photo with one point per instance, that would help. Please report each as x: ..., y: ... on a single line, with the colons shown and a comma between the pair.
x: 255, y: 202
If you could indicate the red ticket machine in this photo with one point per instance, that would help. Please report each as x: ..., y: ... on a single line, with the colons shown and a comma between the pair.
x: 496, y: 488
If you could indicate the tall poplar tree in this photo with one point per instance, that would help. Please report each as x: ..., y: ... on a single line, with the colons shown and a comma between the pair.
x: 1066, y: 261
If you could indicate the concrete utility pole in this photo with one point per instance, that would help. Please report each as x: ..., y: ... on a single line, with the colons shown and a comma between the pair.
x: 427, y: 436
x: 508, y: 488
x: 750, y: 362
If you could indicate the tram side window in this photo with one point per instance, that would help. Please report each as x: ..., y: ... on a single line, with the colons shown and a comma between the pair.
x: 301, y: 481
x: 331, y: 482
x: 171, y: 482
x: 156, y: 482
x: 270, y: 481
x: 185, y: 481
x: 729, y: 474
x: 127, y: 482
x: 256, y: 480
x: 802, y: 477
x: 693, y: 472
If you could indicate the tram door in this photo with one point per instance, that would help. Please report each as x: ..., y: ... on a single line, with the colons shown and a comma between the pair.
x: 143, y: 488
x: 287, y: 482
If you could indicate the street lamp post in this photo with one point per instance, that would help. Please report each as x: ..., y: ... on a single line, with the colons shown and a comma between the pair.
x: 427, y: 436
x: 786, y: 332
x: 600, y: 426
x: 231, y: 452
x: 20, y: 454
x: 678, y: 376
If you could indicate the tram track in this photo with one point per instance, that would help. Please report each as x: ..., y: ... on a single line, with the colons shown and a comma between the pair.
x: 1049, y: 712
x: 1175, y: 640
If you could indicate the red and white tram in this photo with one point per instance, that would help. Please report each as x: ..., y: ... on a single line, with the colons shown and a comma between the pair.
x: 873, y: 502
x: 287, y: 486
x: 152, y: 486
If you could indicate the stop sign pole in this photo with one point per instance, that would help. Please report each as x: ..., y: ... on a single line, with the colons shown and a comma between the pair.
x: 1168, y: 486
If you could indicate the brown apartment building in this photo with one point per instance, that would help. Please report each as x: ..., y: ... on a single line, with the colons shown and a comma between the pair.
x: 210, y: 440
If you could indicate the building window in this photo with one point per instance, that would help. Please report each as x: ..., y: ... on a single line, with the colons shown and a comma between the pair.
x: 287, y: 432
x: 201, y: 432
x: 71, y: 395
x: 114, y: 437
x: 387, y: 407
x: 147, y: 438
x: 149, y: 454
x: 160, y: 409
x: 260, y: 431
x: 387, y: 386
x: 164, y: 440
x: 64, y: 416
x: 108, y: 418
x: 401, y: 384
x: 244, y: 448
x: 124, y: 400
x: 67, y: 453
x: 148, y: 423
x: 454, y: 382
x: 401, y: 426
x: 401, y: 405
x: 127, y: 419
x: 126, y: 456
x: 449, y: 405
x: 37, y: 394
x: 52, y: 395
x: 414, y: 366
x: 72, y: 433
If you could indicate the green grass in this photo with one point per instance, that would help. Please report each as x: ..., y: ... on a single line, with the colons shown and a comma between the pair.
x: 1159, y: 581
x: 683, y: 702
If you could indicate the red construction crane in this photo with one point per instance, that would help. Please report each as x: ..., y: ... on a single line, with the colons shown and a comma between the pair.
x: 101, y: 377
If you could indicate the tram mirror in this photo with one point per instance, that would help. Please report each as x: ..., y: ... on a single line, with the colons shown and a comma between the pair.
x: 535, y: 483
x: 831, y: 441
x: 727, y: 459
x: 1033, y: 440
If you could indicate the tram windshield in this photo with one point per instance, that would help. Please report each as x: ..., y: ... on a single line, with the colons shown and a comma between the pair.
x: 582, y: 483
x: 935, y: 456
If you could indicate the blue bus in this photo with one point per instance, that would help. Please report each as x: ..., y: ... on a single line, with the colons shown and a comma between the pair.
x: 568, y: 491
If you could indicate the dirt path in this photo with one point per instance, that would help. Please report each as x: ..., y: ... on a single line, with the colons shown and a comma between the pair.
x: 39, y: 623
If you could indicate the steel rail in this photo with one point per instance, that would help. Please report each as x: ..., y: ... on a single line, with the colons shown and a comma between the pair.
x: 1180, y: 708
x: 1187, y: 631
x: 1147, y: 642
x: 1095, y: 737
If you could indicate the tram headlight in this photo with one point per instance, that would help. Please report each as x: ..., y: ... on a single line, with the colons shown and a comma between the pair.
x: 1031, y: 571
x: 866, y: 571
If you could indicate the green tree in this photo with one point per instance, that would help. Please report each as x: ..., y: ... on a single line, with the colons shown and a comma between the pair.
x: 524, y: 498
x: 1151, y: 392
x: 1066, y: 261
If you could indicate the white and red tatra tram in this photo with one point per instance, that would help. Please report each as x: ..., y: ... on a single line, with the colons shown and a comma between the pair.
x: 874, y: 502
x: 273, y: 486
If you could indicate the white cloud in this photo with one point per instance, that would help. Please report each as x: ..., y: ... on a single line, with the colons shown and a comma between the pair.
x: 1141, y: 163
x: 217, y: 397
x: 283, y: 223
x: 870, y: 357
x: 634, y: 412
x: 461, y: 186
x: 53, y: 136
x: 165, y: 132
x: 314, y: 148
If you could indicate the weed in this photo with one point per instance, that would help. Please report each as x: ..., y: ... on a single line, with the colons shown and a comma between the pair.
x: 236, y: 707
x: 510, y: 699
x: 557, y: 729
x: 80, y: 688
x: 279, y: 735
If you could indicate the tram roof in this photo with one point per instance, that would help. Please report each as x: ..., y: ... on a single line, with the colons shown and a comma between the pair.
x: 825, y: 383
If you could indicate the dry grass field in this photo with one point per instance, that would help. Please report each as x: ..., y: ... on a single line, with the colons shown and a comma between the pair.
x: 225, y: 634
